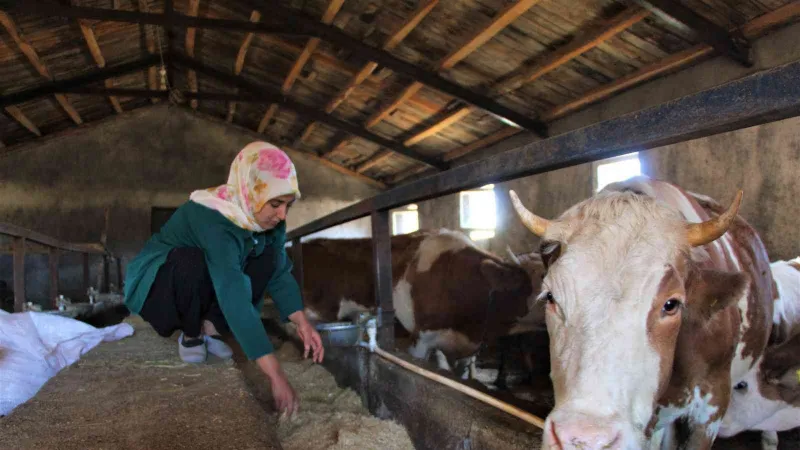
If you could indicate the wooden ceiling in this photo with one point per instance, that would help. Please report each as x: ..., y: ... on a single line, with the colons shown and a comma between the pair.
x: 378, y: 89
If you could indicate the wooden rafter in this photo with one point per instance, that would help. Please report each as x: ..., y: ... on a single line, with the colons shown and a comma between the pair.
x: 33, y: 57
x: 342, y: 169
x: 255, y: 16
x: 341, y: 145
x: 393, y: 41
x: 191, y: 34
x: 501, y: 20
x: 576, y: 47
x: 271, y: 111
x: 17, y: 114
x: 327, y: 18
x: 710, y: 33
x: 751, y: 30
x: 481, y: 143
x: 375, y: 160
x: 150, y: 42
x: 97, y: 54
x: 530, y: 72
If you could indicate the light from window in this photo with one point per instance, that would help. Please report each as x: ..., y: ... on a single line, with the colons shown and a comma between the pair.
x: 478, y: 212
x: 405, y: 221
x: 618, y: 169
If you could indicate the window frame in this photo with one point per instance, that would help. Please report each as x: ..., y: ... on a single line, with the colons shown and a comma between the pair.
x: 597, y: 164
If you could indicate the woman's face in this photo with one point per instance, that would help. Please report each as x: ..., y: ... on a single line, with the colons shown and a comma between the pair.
x: 274, y: 211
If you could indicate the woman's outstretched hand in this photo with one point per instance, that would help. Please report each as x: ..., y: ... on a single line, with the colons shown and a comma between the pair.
x: 311, y: 339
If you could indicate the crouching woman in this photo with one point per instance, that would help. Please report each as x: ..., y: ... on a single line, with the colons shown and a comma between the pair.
x: 209, y: 267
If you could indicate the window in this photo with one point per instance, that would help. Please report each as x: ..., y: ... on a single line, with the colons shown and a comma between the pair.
x: 616, y: 169
x: 478, y: 212
x: 405, y: 221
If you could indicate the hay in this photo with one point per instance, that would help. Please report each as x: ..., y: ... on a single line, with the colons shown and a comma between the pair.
x: 330, y: 418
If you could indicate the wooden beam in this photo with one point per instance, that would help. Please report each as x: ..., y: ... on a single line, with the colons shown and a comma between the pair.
x: 341, y: 145
x: 451, y: 118
x: 255, y: 16
x: 344, y: 170
x: 710, y: 33
x: 396, y: 178
x: 65, y: 86
x: 150, y: 42
x: 191, y: 34
x: 394, y: 40
x: 503, y: 18
x: 327, y: 18
x: 19, y: 273
x: 33, y: 57
x: 374, y: 160
x: 231, y: 112
x: 259, y: 94
x: 338, y: 38
x: 271, y: 111
x: 308, y: 131
x: 97, y: 54
x: 17, y: 114
x: 751, y: 30
x: 579, y: 45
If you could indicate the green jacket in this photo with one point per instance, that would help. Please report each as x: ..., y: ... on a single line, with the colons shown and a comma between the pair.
x: 226, y: 247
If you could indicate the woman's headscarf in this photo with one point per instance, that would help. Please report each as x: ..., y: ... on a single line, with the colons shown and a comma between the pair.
x: 259, y: 173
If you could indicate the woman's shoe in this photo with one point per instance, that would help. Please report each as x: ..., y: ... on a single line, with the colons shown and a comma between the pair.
x: 216, y: 346
x: 192, y: 350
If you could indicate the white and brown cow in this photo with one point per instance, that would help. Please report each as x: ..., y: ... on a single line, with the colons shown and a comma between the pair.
x: 652, y: 310
x: 449, y: 294
x: 767, y: 398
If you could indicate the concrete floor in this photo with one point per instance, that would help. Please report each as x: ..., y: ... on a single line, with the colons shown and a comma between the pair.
x: 136, y: 394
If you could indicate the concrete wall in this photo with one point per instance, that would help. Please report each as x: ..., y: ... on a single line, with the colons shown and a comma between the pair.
x: 147, y: 158
x: 764, y: 161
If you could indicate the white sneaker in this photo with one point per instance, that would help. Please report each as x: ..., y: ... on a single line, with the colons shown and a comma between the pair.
x: 192, y: 350
x: 216, y: 346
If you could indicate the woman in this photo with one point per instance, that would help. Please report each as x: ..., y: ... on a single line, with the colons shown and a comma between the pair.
x: 211, y: 264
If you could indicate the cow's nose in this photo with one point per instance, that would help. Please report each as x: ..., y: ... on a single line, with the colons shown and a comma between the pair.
x: 584, y: 435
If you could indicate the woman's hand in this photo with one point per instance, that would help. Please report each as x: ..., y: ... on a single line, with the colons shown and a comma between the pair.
x: 282, y: 392
x: 311, y: 339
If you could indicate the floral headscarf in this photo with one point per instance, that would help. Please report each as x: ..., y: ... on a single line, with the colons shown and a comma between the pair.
x: 259, y: 173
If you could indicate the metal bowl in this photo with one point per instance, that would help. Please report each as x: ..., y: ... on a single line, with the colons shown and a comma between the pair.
x: 339, y: 334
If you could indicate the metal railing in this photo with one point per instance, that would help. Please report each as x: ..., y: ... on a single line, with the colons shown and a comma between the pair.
x: 762, y: 97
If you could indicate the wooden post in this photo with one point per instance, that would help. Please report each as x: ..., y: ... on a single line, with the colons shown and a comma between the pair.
x: 53, y: 263
x: 119, y: 273
x: 19, y: 273
x: 297, y: 263
x: 85, y: 272
x: 105, y: 288
x: 382, y: 269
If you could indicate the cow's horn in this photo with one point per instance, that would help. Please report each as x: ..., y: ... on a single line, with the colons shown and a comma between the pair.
x: 513, y: 257
x: 710, y: 230
x: 536, y: 224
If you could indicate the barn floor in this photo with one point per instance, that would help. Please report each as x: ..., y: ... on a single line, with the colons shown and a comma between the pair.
x: 136, y: 394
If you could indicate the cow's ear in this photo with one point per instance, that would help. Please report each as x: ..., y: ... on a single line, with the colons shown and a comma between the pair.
x: 710, y: 291
x: 503, y: 277
x: 781, y: 368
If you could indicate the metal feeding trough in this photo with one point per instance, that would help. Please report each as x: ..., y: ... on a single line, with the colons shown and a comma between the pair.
x: 339, y: 334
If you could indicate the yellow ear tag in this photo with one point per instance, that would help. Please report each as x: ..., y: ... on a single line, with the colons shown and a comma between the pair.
x: 797, y: 372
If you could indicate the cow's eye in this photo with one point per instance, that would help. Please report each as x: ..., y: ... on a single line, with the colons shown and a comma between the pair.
x: 549, y: 298
x: 671, y: 306
x: 740, y: 385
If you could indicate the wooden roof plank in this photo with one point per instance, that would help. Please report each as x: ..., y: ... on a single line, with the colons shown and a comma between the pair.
x: 451, y: 118
x: 579, y: 45
x: 150, y: 42
x: 503, y: 18
x: 97, y: 54
x: 375, y: 160
x: 255, y: 16
x: 750, y: 30
x: 36, y: 62
x: 330, y: 13
x: 271, y: 111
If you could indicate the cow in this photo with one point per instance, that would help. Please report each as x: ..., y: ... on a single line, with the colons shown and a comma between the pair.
x: 448, y: 294
x: 657, y: 299
x: 767, y: 398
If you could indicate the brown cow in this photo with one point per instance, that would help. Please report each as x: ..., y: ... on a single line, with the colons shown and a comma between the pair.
x: 652, y: 310
x: 450, y: 295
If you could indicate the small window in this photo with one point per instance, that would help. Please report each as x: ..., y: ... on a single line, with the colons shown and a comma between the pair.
x: 478, y: 212
x: 616, y: 169
x: 405, y: 220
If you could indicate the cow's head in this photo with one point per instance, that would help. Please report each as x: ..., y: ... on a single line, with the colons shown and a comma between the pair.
x: 770, y: 388
x: 619, y: 286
